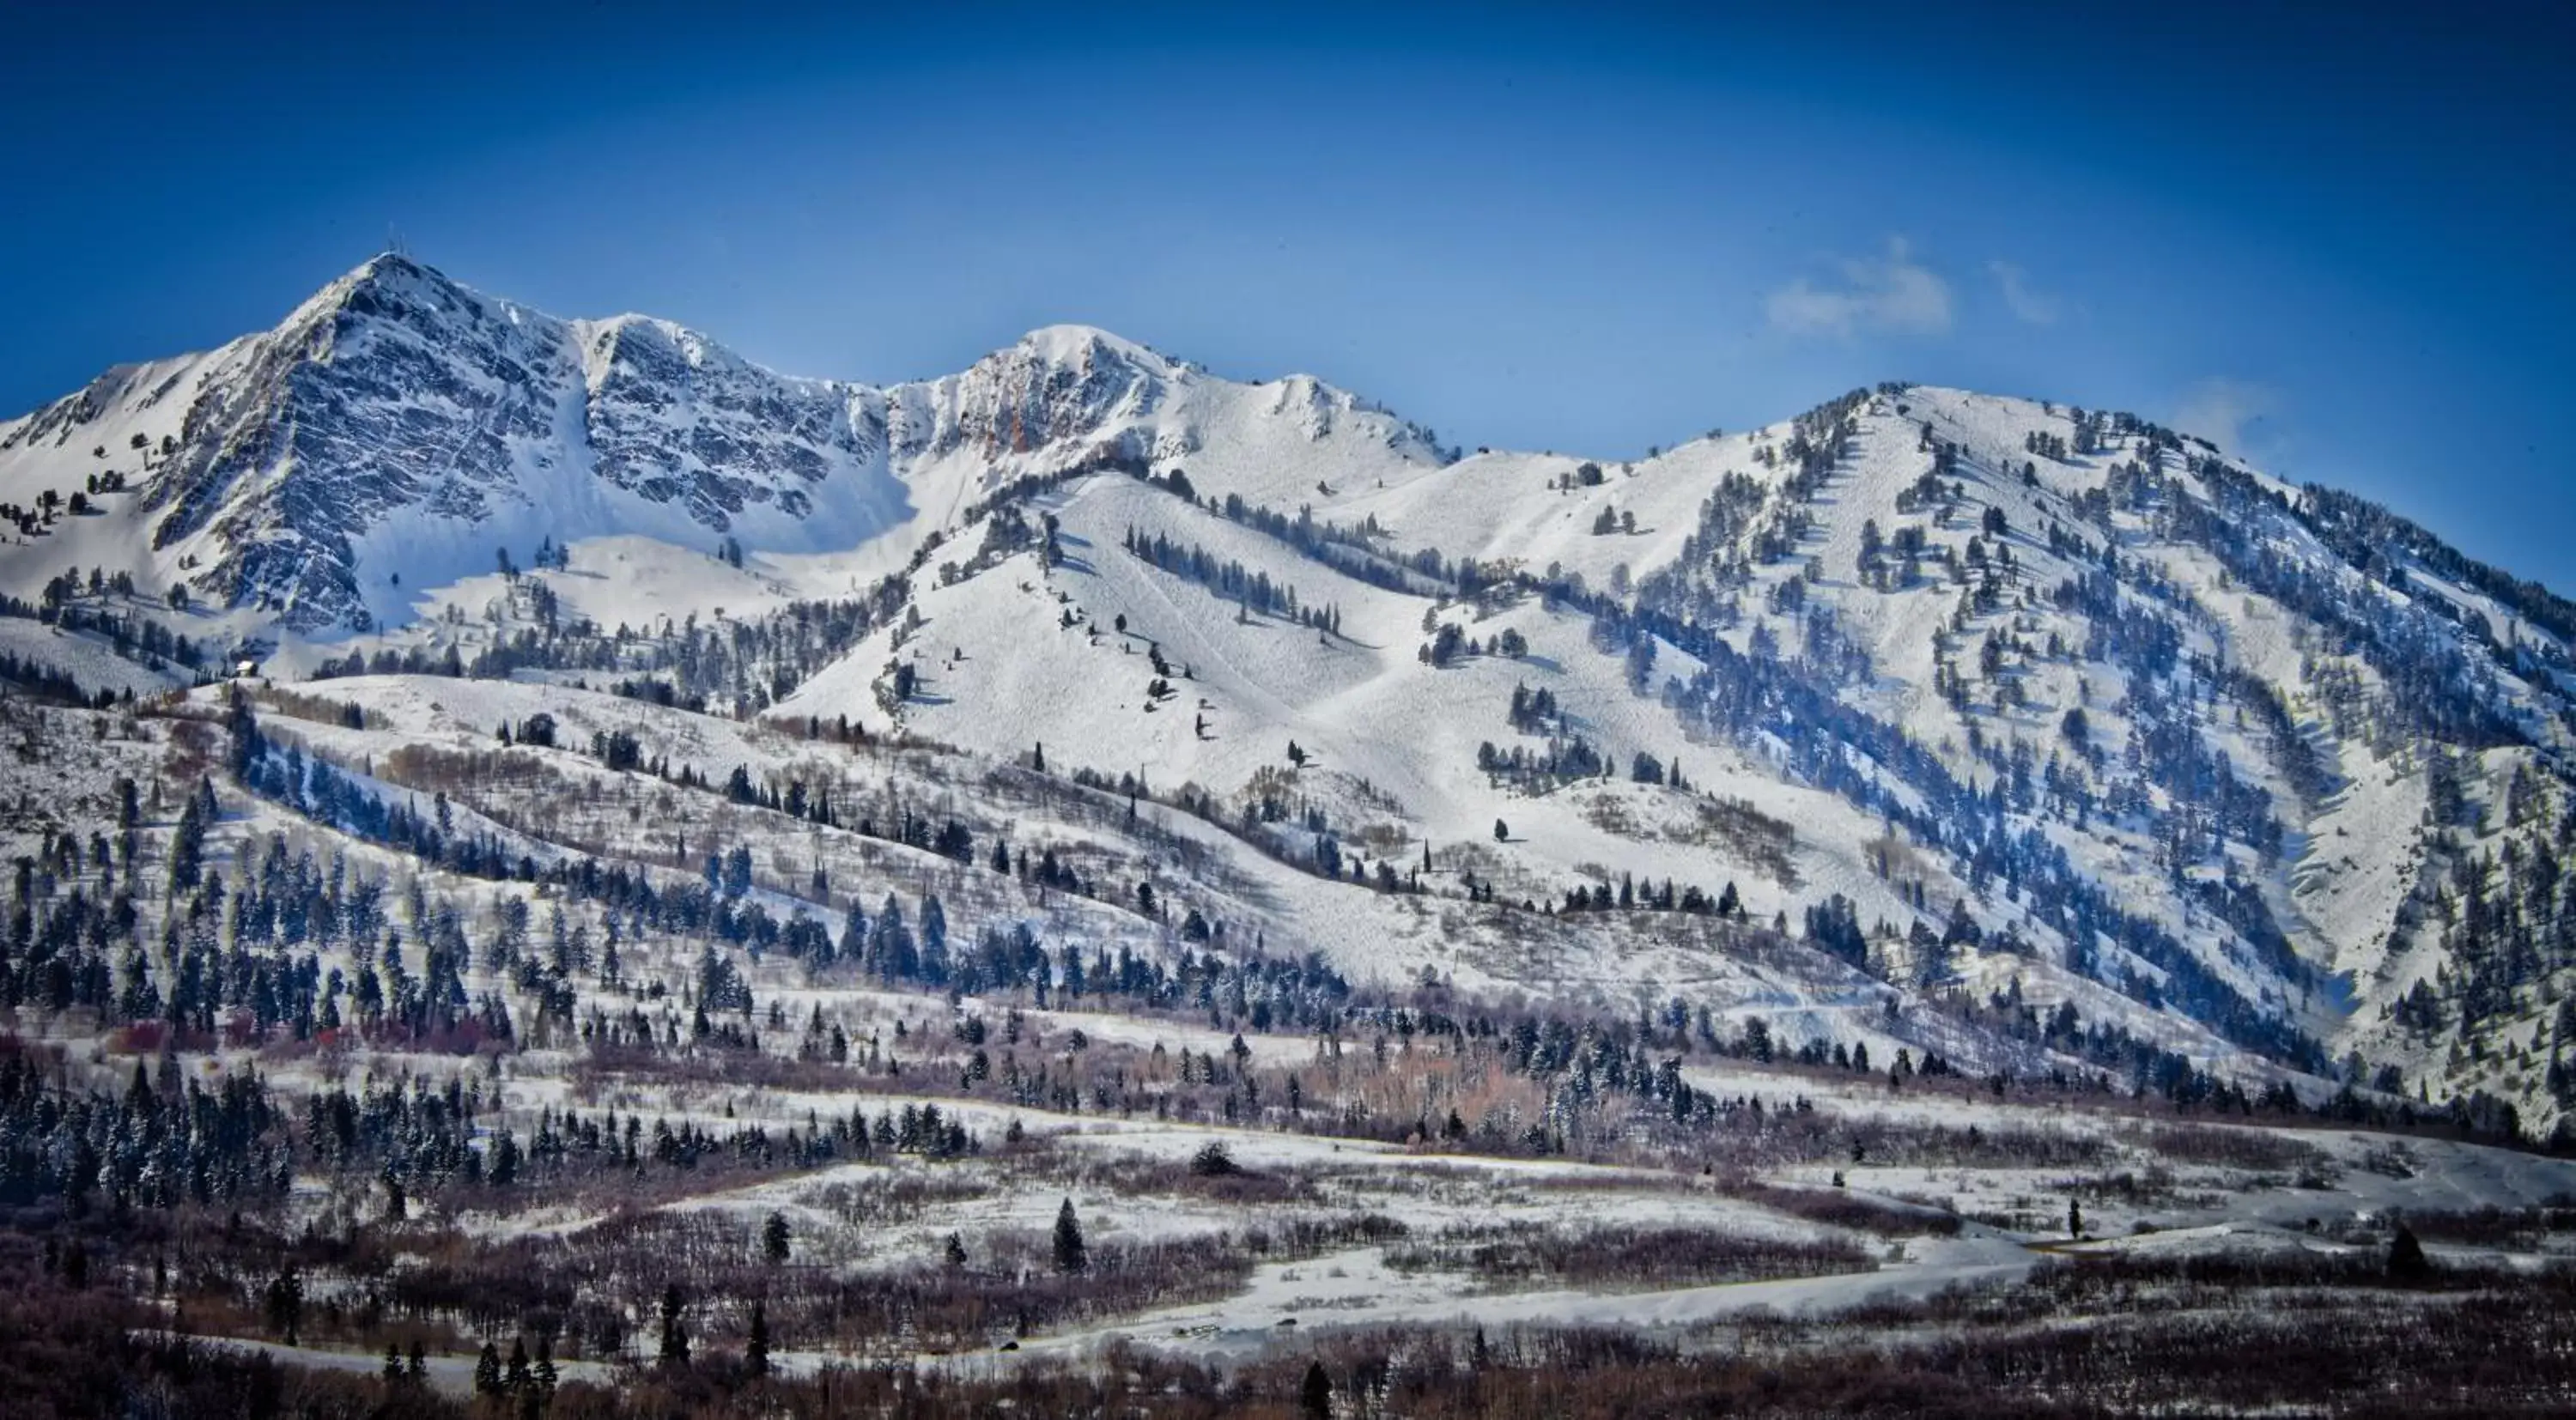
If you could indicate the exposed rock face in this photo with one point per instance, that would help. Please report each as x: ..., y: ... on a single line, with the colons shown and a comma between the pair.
x: 672, y: 417
x: 1059, y: 388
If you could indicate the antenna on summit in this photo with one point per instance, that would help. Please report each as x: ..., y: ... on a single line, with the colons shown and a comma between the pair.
x: 393, y: 240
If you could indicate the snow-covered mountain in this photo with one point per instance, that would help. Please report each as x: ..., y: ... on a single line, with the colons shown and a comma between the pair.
x: 398, y: 429
x: 1994, y: 705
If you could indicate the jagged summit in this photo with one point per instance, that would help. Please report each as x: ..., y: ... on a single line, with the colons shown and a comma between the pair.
x: 386, y: 273
x: 398, y: 425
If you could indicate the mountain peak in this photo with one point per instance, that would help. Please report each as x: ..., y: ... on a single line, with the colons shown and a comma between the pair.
x: 386, y: 287
x: 1072, y: 344
x: 385, y: 272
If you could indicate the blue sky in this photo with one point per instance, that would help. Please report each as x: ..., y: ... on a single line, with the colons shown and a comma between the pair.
x: 2337, y: 236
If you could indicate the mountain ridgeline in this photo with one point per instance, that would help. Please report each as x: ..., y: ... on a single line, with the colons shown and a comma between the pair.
x: 1948, y: 716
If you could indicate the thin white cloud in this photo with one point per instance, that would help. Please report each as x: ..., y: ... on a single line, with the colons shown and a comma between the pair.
x: 1893, y: 292
x: 2029, y: 304
x: 2224, y: 411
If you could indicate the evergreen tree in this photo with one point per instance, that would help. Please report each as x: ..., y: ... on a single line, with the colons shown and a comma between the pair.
x: 674, y: 1351
x: 1315, y: 1397
x: 2406, y: 1259
x: 1070, y: 1254
x: 286, y: 1303
x: 188, y: 847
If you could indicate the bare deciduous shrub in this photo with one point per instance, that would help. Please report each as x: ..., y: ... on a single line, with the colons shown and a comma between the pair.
x: 1508, y: 1257
x: 1840, y: 1209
